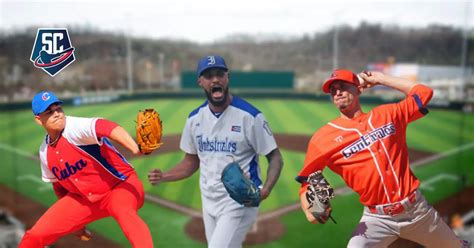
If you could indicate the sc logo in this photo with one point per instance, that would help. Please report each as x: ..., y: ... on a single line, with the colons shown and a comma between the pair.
x: 52, y: 50
x: 51, y: 42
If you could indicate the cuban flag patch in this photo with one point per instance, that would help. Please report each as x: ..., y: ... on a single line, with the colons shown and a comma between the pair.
x: 236, y: 129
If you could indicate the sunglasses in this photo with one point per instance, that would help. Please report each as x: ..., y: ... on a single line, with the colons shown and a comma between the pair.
x: 209, y: 74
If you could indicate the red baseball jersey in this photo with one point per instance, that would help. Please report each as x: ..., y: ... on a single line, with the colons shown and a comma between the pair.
x: 83, y: 161
x: 369, y: 151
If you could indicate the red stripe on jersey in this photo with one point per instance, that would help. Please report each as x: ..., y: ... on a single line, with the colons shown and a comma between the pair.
x: 104, y: 127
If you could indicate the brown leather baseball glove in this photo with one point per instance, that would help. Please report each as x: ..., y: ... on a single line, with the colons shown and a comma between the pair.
x: 149, y: 130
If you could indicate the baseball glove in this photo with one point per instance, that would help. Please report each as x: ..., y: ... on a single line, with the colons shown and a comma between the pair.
x: 149, y: 130
x: 239, y: 187
x: 318, y: 195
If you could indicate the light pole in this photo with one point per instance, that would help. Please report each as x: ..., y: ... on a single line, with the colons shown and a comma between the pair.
x: 129, y: 62
x: 148, y: 67
x: 161, y: 59
x: 467, y: 12
x: 335, y: 47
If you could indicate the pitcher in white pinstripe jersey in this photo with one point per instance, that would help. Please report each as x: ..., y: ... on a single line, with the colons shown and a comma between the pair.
x: 224, y: 129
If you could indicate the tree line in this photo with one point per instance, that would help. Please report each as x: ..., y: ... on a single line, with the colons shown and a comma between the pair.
x: 101, y: 56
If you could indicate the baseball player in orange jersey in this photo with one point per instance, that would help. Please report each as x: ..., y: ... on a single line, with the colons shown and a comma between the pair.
x: 369, y: 151
x: 90, y: 177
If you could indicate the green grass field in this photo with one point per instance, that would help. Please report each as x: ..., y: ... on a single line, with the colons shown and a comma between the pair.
x: 438, y: 132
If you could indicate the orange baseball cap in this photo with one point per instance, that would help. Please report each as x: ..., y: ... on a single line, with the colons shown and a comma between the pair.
x: 343, y: 75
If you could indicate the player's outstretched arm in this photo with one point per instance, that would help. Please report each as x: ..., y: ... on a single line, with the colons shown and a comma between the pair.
x: 122, y: 137
x: 275, y: 164
x: 372, y: 78
x: 183, y: 169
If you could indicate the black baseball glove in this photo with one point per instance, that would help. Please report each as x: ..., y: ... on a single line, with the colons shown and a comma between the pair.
x: 317, y: 196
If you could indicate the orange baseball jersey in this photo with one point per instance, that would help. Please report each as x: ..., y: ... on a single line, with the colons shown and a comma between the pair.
x: 369, y: 151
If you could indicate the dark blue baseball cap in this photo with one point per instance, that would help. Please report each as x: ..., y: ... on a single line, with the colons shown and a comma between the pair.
x: 208, y: 62
x: 42, y: 101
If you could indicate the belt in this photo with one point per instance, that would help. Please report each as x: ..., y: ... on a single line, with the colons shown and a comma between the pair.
x: 395, y: 208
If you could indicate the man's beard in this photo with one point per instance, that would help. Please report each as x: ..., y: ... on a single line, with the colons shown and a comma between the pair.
x: 218, y: 103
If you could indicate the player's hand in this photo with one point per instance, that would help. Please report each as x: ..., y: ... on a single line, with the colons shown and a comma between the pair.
x: 264, y: 193
x: 155, y: 176
x: 305, y: 206
x: 83, y: 234
x: 369, y: 79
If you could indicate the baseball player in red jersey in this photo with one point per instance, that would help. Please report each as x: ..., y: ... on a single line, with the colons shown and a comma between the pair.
x: 369, y: 151
x: 90, y: 177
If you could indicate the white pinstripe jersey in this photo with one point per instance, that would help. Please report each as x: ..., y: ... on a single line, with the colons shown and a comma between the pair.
x: 240, y: 133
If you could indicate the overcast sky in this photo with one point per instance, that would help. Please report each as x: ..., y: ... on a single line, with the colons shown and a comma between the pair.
x: 208, y: 20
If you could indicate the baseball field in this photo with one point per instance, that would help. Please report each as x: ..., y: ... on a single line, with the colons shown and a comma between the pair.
x: 444, y: 138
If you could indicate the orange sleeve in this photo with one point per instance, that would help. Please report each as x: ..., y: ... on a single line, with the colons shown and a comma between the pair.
x: 315, y: 160
x: 414, y: 105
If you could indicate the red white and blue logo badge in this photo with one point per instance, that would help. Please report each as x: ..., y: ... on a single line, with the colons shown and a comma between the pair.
x: 236, y: 129
x: 45, y: 96
x: 52, y: 50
